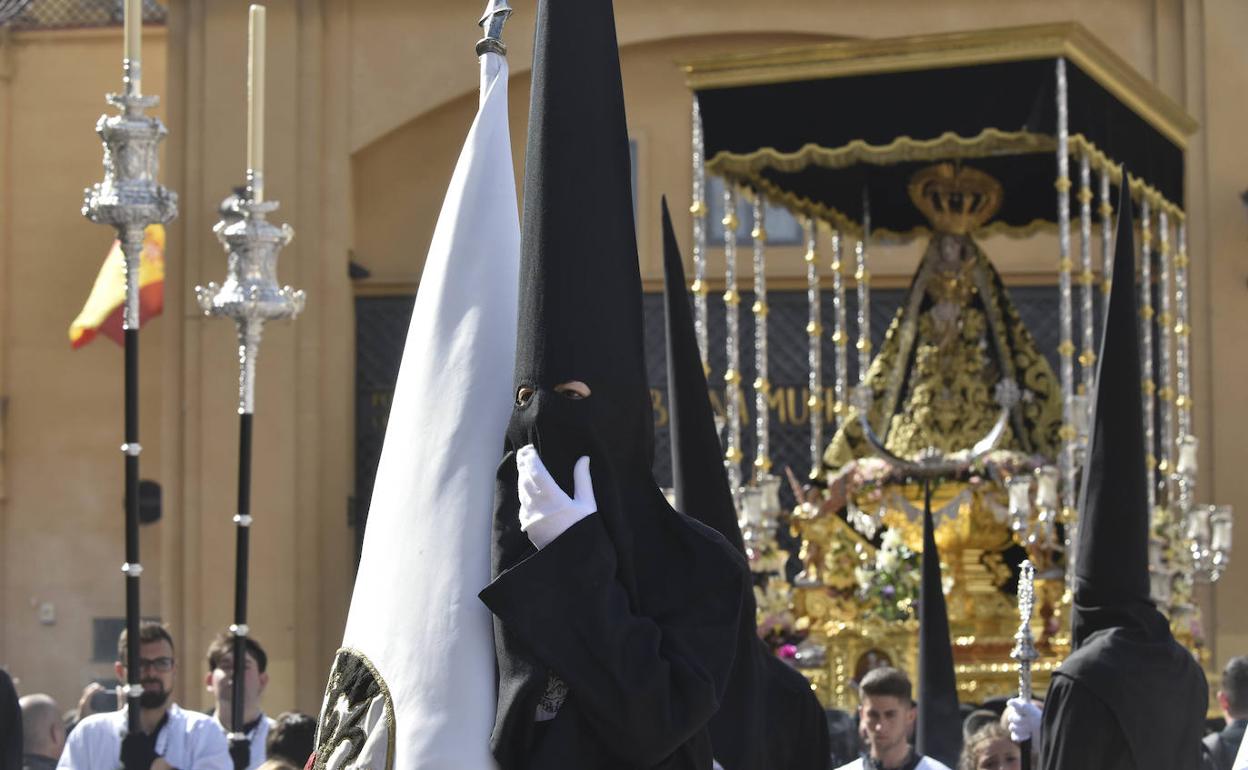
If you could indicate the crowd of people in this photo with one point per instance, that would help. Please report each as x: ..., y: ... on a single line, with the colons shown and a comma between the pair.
x: 95, y: 734
x: 37, y: 735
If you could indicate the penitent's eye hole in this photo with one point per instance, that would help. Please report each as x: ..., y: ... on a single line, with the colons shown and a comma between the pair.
x: 523, y: 395
x: 574, y: 390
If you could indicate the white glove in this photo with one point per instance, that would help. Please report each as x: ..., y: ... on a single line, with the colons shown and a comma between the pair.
x: 1023, y: 719
x: 546, y: 511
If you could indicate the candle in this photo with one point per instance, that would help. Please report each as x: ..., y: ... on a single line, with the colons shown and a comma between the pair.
x: 133, y: 53
x: 255, y: 103
x: 1187, y: 456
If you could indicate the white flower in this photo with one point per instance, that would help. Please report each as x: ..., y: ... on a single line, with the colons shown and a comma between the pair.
x: 887, y: 560
x: 862, y: 577
x: 891, y: 540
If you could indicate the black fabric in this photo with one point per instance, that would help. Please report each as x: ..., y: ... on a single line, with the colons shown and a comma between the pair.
x: 10, y: 725
x: 939, y: 731
x: 1220, y: 748
x: 636, y: 608
x: 924, y: 104
x: 699, y: 477
x: 1080, y: 729
x: 37, y: 762
x: 769, y: 719
x: 641, y: 687
x: 1111, y: 586
x: 911, y: 762
x: 1126, y: 675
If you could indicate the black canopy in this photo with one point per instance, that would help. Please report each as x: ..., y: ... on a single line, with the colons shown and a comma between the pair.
x: 814, y: 127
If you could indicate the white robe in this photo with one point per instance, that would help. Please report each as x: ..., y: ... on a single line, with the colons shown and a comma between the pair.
x: 188, y: 741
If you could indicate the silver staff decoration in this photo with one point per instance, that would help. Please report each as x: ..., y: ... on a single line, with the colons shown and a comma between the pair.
x: 732, y: 376
x: 250, y: 296
x: 1024, y: 643
x: 1024, y: 651
x: 814, y: 354
x: 762, y: 382
x: 129, y: 200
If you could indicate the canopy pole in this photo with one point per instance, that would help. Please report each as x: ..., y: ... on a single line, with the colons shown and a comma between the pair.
x: 863, y: 277
x: 1087, y: 281
x: 1107, y: 242
x: 732, y: 343
x: 1165, y: 328
x: 762, y: 382
x: 1182, y: 333
x: 1146, y: 350
x: 840, y: 333
x: 814, y: 354
x: 1066, y: 348
x: 697, y: 211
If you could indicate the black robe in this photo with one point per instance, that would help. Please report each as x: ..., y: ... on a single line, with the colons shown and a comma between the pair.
x: 642, y: 681
x: 10, y: 725
x: 805, y: 744
x: 1120, y: 703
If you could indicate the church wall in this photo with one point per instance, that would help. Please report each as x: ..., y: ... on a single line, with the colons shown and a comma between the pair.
x: 1222, y: 319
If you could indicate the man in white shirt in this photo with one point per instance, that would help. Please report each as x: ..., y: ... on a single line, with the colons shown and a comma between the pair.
x: 887, y: 717
x: 172, y: 739
x: 220, y: 682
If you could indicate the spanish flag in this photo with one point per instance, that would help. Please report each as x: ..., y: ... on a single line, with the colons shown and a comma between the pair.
x: 103, y: 310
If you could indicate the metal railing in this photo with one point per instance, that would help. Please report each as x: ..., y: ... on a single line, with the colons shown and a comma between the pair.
x: 72, y: 14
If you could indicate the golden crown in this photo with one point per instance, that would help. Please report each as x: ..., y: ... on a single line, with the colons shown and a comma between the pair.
x: 956, y: 200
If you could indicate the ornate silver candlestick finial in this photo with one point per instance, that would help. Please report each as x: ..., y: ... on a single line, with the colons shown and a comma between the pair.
x: 250, y: 294
x: 1024, y: 643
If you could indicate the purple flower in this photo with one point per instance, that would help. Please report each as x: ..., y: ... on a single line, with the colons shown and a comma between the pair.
x: 888, y: 592
x: 787, y: 651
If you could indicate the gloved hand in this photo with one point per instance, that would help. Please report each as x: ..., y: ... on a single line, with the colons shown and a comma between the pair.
x: 1023, y: 719
x: 546, y: 511
x: 240, y: 752
x: 138, y: 751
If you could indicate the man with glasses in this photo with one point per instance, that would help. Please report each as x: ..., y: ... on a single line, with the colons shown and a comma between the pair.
x: 172, y: 739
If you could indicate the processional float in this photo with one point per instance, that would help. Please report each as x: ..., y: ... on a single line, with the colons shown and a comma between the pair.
x: 952, y: 138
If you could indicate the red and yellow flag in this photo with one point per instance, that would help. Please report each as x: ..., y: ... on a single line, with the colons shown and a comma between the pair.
x: 103, y: 310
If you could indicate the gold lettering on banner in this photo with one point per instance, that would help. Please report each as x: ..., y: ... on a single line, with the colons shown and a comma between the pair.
x: 787, y: 404
x: 660, y: 409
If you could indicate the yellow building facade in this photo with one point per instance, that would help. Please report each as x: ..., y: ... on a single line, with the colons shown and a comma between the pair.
x: 368, y: 103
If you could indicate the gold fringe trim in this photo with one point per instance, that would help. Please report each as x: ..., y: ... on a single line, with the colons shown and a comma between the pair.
x: 990, y: 141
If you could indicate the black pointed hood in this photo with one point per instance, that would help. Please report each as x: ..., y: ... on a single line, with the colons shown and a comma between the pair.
x: 939, y: 731
x: 580, y: 285
x: 698, y: 472
x: 1124, y: 657
x: 634, y: 610
x: 1111, y: 585
x: 769, y: 717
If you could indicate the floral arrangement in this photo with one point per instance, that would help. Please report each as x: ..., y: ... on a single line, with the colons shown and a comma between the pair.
x: 890, y: 584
